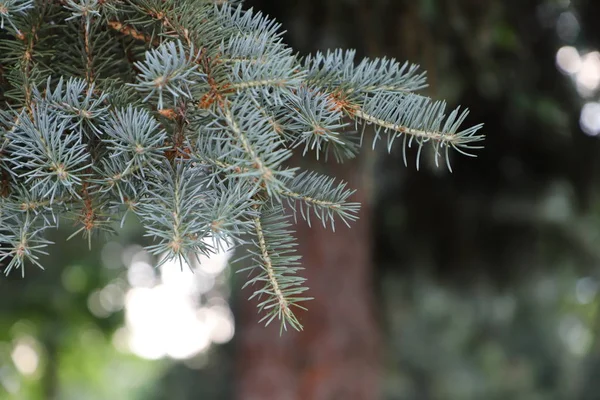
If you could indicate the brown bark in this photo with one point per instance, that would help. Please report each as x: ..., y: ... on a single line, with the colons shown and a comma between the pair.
x: 337, y: 354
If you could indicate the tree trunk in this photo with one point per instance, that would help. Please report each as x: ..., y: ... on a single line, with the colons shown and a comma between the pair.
x: 337, y: 354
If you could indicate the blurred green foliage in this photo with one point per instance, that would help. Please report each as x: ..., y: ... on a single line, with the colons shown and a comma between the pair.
x: 61, y: 332
x: 73, y: 353
x: 532, y: 341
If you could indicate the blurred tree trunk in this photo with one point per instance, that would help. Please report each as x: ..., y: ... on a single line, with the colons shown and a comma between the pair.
x: 337, y: 354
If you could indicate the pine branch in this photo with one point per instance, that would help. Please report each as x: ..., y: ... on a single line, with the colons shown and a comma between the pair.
x: 420, y: 120
x: 55, y: 159
x: 275, y: 264
x: 252, y: 146
x: 168, y: 213
x: 186, y: 114
x: 11, y: 8
x: 319, y: 122
x: 135, y: 138
x: 24, y: 239
x: 323, y: 196
x: 337, y: 70
x: 167, y: 69
x: 82, y: 106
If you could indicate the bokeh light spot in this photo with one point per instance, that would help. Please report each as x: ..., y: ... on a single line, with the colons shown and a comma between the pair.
x: 25, y: 357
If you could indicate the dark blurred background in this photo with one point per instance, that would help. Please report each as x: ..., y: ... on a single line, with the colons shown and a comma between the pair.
x: 479, y: 284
